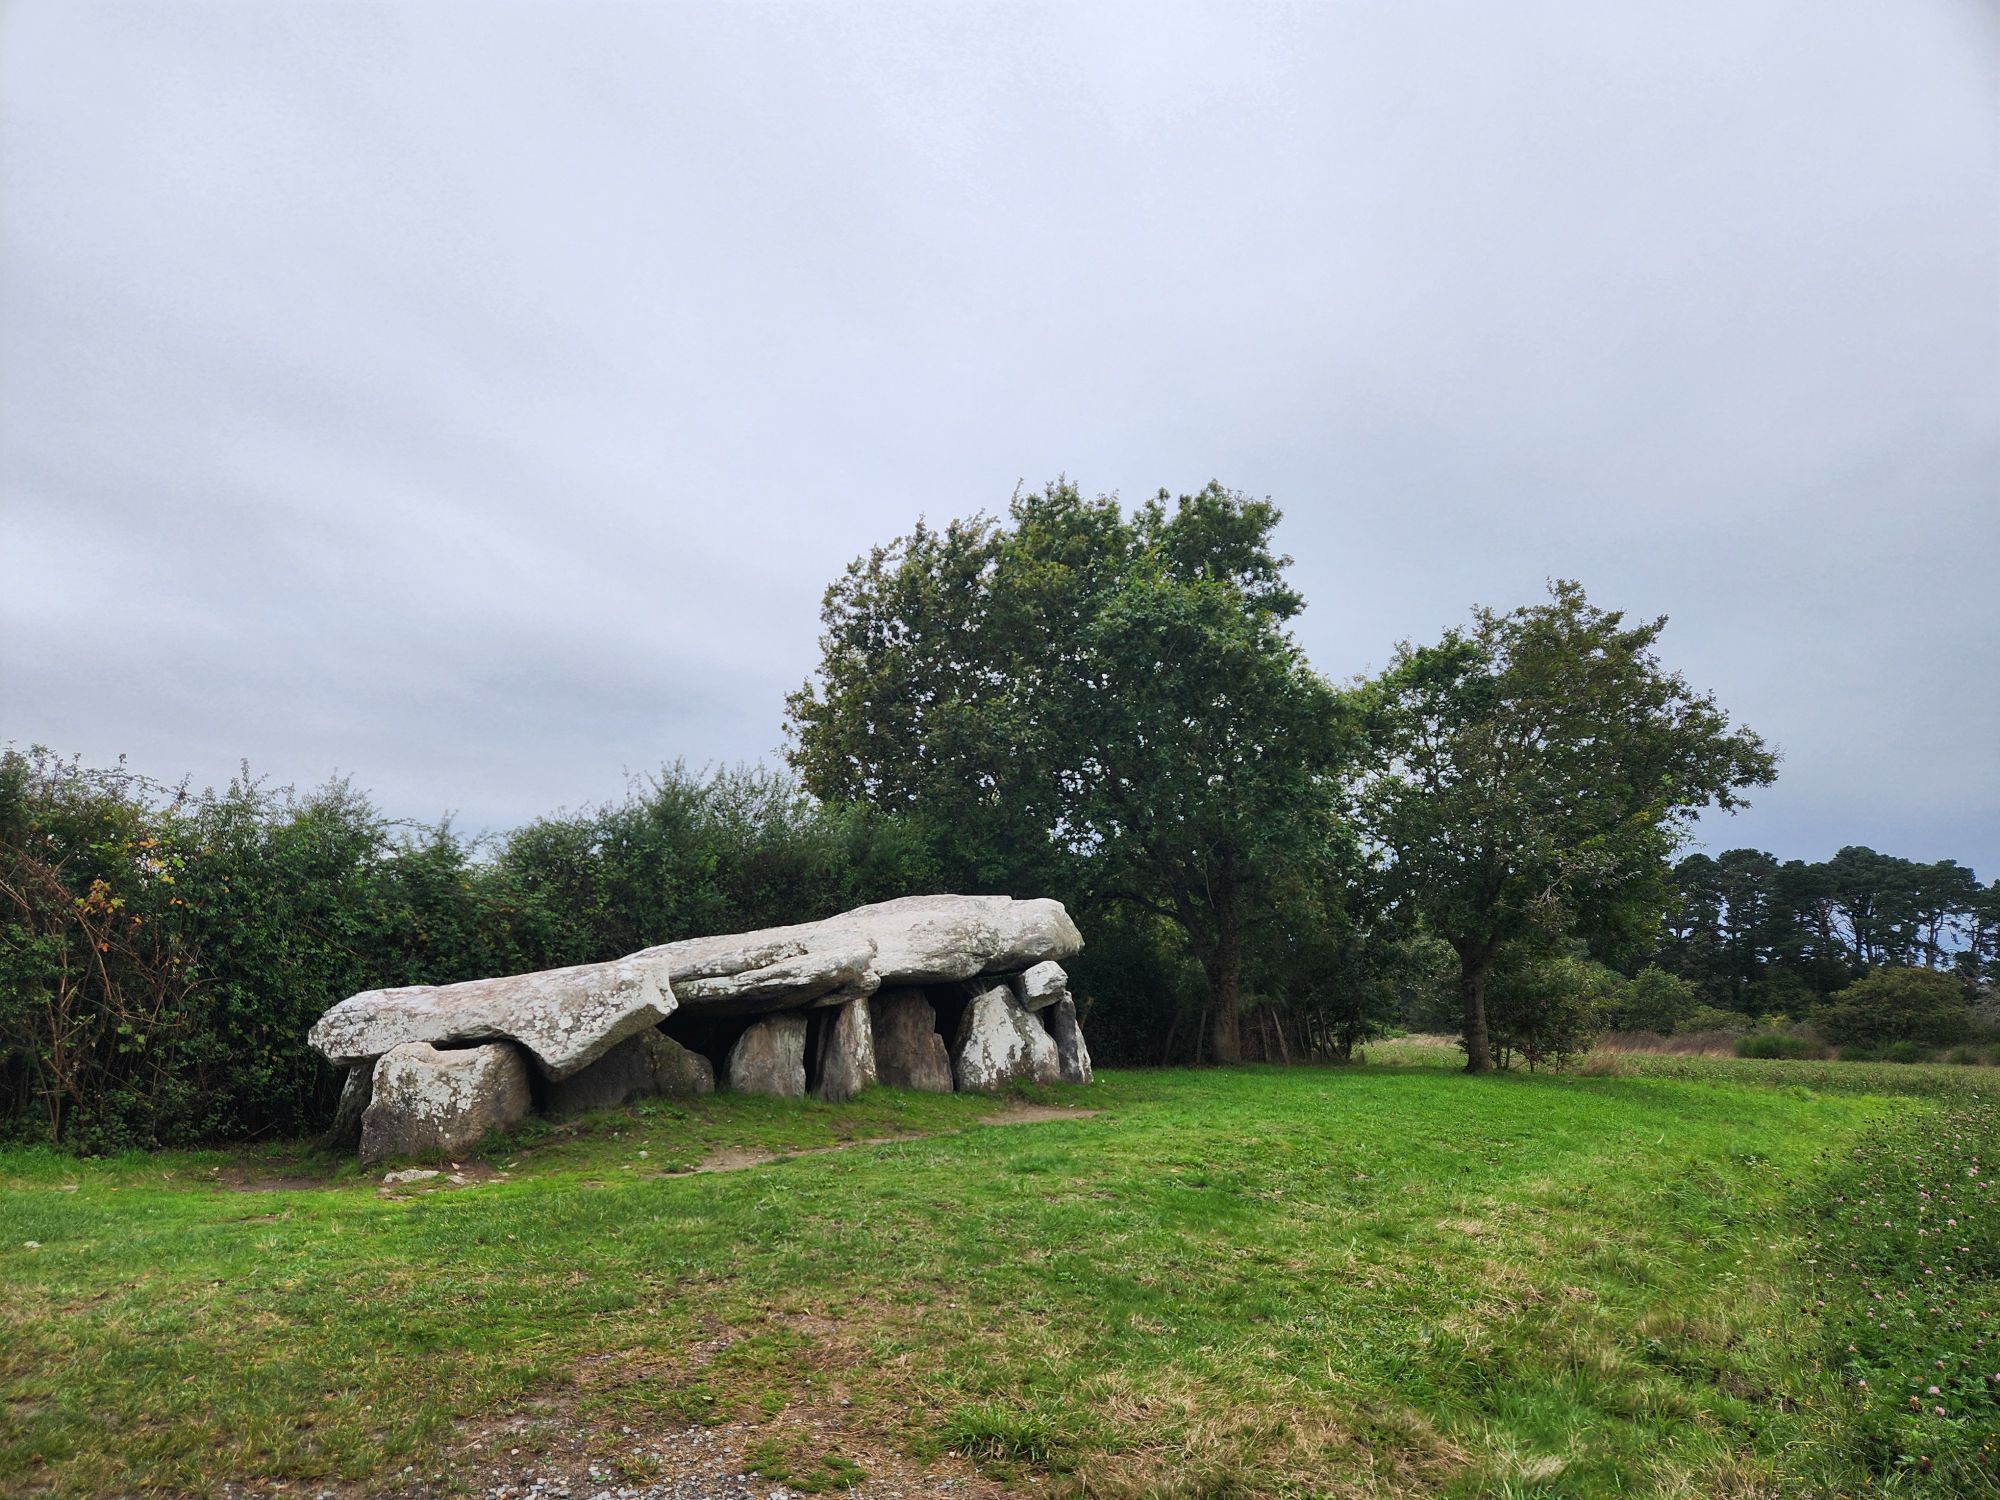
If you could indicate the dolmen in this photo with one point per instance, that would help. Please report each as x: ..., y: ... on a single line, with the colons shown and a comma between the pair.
x: 927, y: 992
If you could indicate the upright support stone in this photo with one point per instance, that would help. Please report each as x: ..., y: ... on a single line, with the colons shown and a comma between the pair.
x: 431, y: 1103
x: 770, y: 1058
x: 847, y: 1053
x: 1071, y: 1052
x: 999, y: 1043
x: 356, y: 1090
x: 909, y: 1052
x: 640, y: 1067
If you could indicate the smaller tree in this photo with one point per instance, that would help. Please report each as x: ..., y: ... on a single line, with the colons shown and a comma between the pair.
x: 1533, y: 776
x: 1547, y: 1008
x: 1652, y: 1000
x: 1898, y: 1005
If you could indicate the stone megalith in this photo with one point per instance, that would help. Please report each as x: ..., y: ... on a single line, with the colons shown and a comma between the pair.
x: 1042, y: 986
x: 753, y: 973
x: 770, y: 1057
x: 909, y: 1052
x: 567, y: 1018
x: 1072, y: 1053
x: 637, y: 1068
x: 936, y: 939
x: 846, y: 1053
x: 430, y: 1103
x: 1000, y: 1043
x: 357, y: 1088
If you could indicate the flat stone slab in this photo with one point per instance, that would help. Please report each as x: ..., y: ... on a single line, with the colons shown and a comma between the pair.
x: 566, y: 1018
x: 747, y: 973
x: 937, y: 939
x: 912, y: 940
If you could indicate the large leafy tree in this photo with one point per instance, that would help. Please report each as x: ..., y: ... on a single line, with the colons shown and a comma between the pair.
x: 1532, y: 776
x: 1115, y: 695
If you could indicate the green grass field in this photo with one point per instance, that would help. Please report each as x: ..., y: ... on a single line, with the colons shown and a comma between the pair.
x: 1383, y: 1279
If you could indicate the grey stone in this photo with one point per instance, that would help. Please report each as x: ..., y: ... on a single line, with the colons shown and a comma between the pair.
x: 749, y: 973
x: 912, y: 940
x: 1000, y: 1043
x: 935, y: 939
x: 846, y: 1053
x: 1072, y: 1053
x: 1041, y: 986
x: 909, y: 1052
x: 770, y: 1058
x: 639, y: 1067
x: 356, y: 1089
x: 568, y: 1018
x: 429, y: 1102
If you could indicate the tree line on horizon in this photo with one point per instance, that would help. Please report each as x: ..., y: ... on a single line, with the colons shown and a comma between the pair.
x: 1079, y: 700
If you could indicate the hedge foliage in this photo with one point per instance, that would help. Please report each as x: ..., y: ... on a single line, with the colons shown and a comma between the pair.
x: 163, y: 951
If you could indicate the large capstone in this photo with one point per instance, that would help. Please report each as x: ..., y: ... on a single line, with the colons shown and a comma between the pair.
x: 430, y: 1102
x: 1071, y: 1053
x: 999, y: 1043
x: 770, y: 1057
x: 567, y: 1018
x: 1041, y: 986
x: 846, y: 1053
x: 936, y: 939
x: 748, y: 973
x: 909, y: 1052
x: 911, y: 940
x: 639, y: 1067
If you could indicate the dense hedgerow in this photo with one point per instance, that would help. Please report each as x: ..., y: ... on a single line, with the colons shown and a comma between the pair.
x: 163, y: 952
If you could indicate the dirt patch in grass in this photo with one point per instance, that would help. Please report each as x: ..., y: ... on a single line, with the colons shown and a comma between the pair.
x: 583, y: 1440
x: 733, y: 1159
x: 803, y: 1449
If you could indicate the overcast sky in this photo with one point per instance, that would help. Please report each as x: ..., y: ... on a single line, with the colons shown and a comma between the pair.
x: 476, y: 398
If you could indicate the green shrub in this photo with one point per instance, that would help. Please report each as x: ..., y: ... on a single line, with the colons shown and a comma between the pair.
x: 1779, y: 1044
x: 1546, y: 1008
x: 1710, y: 1018
x: 1965, y: 1057
x: 1904, y: 1052
x: 1652, y: 1000
x: 1894, y: 1005
x: 164, y: 952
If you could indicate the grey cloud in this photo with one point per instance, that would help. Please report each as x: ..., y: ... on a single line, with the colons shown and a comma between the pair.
x: 476, y: 398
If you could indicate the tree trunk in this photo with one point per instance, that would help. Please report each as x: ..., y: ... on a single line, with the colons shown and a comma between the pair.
x: 1475, y: 965
x: 1225, y: 992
